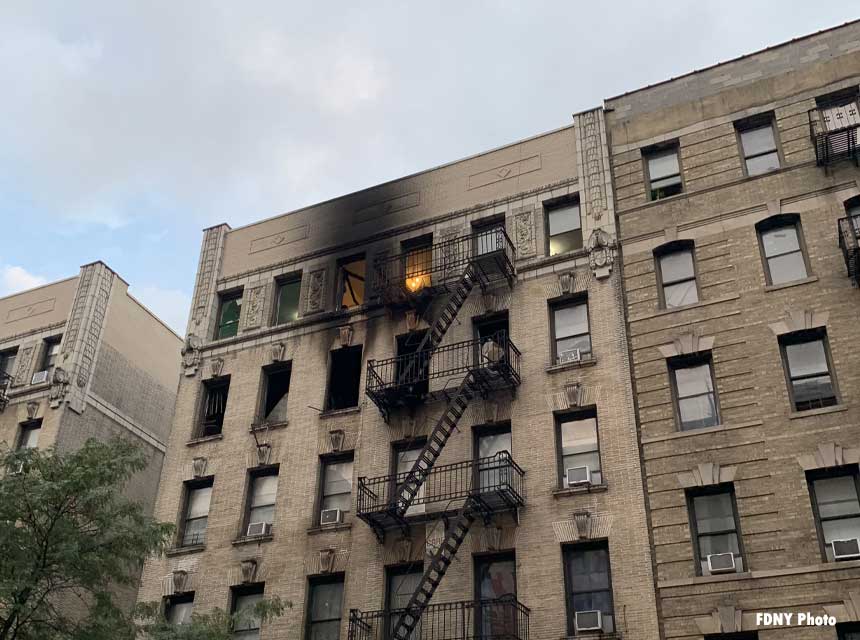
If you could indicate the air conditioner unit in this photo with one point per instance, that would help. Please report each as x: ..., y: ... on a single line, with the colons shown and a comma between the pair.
x: 721, y: 563
x: 570, y: 355
x: 578, y: 476
x: 331, y: 516
x: 39, y: 377
x: 259, y: 529
x: 588, y: 620
x: 848, y: 549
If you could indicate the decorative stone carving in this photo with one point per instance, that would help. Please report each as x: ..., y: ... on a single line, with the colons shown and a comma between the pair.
x: 249, y: 570
x: 278, y: 351
x: 198, y: 467
x: 800, y: 320
x: 345, y: 335
x: 204, y: 287
x: 411, y: 320
x: 723, y: 619
x: 252, y: 307
x: 582, y: 520
x: 848, y: 610
x: 180, y: 581
x: 601, y: 254
x: 326, y: 560
x: 191, y: 354
x: 92, y: 334
x: 22, y: 371
x: 583, y: 525
x: 565, y: 283
x: 59, y: 387
x: 316, y: 292
x: 573, y: 392
x: 524, y: 232
x: 32, y: 409
x: 828, y: 454
x: 403, y: 549
x: 591, y: 152
x: 706, y: 474
x: 336, y: 438
x: 493, y: 538
x: 264, y: 453
x: 687, y: 344
x: 4, y: 394
x: 216, y: 365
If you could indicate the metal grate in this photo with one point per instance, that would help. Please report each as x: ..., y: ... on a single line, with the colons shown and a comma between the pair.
x: 833, y: 143
x: 849, y: 242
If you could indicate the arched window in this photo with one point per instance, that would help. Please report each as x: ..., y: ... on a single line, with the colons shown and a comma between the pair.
x: 675, y: 264
x: 782, y: 249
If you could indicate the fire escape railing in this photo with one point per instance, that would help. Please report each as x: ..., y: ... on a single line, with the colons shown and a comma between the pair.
x: 5, y: 382
x: 497, y: 480
x: 441, y: 264
x: 501, y: 619
x: 849, y: 242
x: 832, y: 144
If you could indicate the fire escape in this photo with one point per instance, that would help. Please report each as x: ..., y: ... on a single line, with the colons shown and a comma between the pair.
x: 458, y: 493
x: 833, y: 127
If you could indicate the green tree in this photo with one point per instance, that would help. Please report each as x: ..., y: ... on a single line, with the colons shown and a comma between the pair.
x: 214, y: 625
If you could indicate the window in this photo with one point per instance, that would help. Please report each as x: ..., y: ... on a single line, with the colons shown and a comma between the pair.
x: 325, y: 605
x: 758, y: 145
x: 197, y: 497
x: 413, y: 368
x: 178, y: 608
x: 714, y: 526
x: 807, y: 365
x: 276, y: 389
x: 564, y: 227
x: 351, y: 279
x: 782, y: 249
x: 50, y: 352
x: 578, y: 449
x: 663, y: 171
x: 570, y: 331
x: 588, y: 585
x: 245, y: 599
x: 287, y: 299
x: 838, y: 110
x: 401, y: 582
x: 493, y: 472
x: 229, y: 312
x: 495, y: 578
x: 7, y: 363
x: 676, y: 275
x: 836, y: 507
x: 29, y: 436
x: 489, y: 234
x: 419, y: 262
x: 262, y: 491
x: 848, y: 631
x: 344, y: 378
x: 215, y: 393
x: 404, y: 455
x: 336, y: 486
x: 695, y: 392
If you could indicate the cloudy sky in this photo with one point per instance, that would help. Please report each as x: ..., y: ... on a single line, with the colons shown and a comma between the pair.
x: 125, y: 128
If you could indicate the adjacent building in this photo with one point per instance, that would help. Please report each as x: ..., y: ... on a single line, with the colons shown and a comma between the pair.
x: 81, y: 358
x: 407, y: 411
x: 737, y: 191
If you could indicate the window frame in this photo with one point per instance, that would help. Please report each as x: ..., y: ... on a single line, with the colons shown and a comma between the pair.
x: 48, y: 344
x: 801, y: 337
x: 342, y: 281
x: 424, y: 275
x: 844, y: 628
x: 266, y: 372
x: 781, y: 221
x: 583, y: 413
x: 172, y: 600
x: 28, y: 426
x: 569, y: 593
x: 812, y: 476
x: 187, y: 487
x: 207, y: 386
x: 656, y: 150
x: 711, y: 490
x: 686, y: 361
x: 328, y: 392
x: 324, y: 461
x: 261, y: 471
x: 5, y: 355
x: 676, y: 246
x: 280, y: 282
x: 561, y: 203
x: 223, y: 298
x: 313, y: 581
x: 562, y: 303
x: 758, y: 121
x: 239, y: 591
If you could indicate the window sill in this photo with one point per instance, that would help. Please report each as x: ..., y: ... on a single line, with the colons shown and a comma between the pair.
x: 343, y: 526
x: 252, y: 540
x: 267, y: 427
x: 572, y: 491
x: 196, y: 441
x: 702, y: 431
x: 566, y: 366
x: 793, y: 283
x: 181, y: 551
x: 340, y: 412
x: 837, y: 408
x: 701, y: 303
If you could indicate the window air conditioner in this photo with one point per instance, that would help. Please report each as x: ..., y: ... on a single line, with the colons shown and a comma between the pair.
x: 721, y: 563
x: 39, y: 377
x: 570, y: 355
x: 259, y: 529
x: 331, y: 516
x: 578, y: 476
x: 588, y: 620
x: 848, y: 549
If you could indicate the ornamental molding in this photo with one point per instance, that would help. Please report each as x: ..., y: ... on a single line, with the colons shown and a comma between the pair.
x: 687, y: 344
x: 601, y: 254
x: 524, y: 231
x: 800, y: 320
x: 828, y: 454
x: 706, y: 474
x: 315, y: 301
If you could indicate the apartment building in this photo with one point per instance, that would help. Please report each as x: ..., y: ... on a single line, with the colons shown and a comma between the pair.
x: 81, y: 358
x: 407, y: 411
x: 737, y: 191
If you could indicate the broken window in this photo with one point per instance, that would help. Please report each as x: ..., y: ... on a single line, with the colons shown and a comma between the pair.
x: 287, y: 302
x: 277, y: 386
x: 419, y: 262
x: 214, y: 405
x: 344, y: 378
x: 229, y: 311
x: 352, y: 282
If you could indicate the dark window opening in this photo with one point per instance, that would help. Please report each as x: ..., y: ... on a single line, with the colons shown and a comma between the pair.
x: 715, y: 531
x: 287, y: 300
x: 695, y: 393
x: 198, y: 495
x: 495, y: 578
x: 492, y: 333
x: 29, y: 436
x: 229, y: 312
x: 400, y: 583
x: 836, y: 507
x: 344, y: 378
x: 245, y: 599
x: 325, y: 608
x: 588, y: 588
x: 351, y: 278
x: 746, y: 635
x: 848, y: 631
x: 7, y: 364
x: 578, y: 449
x: 807, y: 364
x: 676, y: 274
x: 179, y: 607
x: 276, y: 392
x: 782, y: 248
x: 215, y: 394
x: 564, y: 226
x: 414, y: 369
x: 663, y: 171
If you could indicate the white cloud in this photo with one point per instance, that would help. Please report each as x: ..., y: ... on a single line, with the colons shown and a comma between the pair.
x: 14, y: 279
x: 170, y: 305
